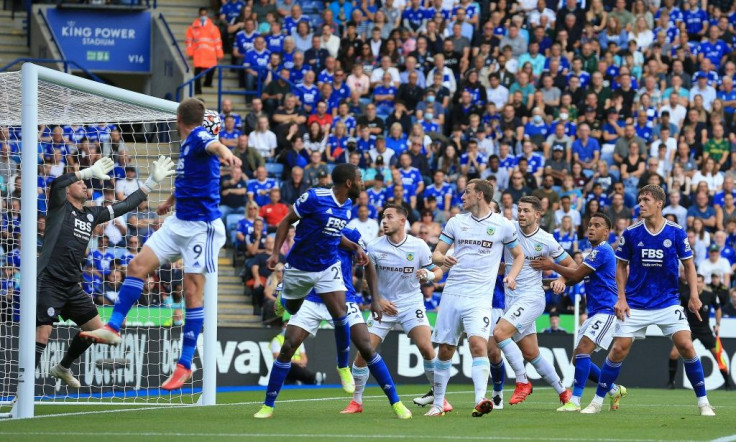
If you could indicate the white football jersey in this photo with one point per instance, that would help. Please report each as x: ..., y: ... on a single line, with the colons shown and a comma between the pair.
x: 539, y: 244
x: 397, y: 266
x: 479, y: 244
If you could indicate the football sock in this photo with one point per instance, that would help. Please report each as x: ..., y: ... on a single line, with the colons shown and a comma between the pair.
x: 479, y: 372
x: 609, y: 373
x: 672, y: 370
x: 582, y: 372
x: 595, y: 375
x: 279, y: 371
x: 360, y: 376
x: 694, y: 372
x: 380, y: 372
x: 192, y: 327
x: 441, y: 378
x: 342, y: 340
x: 40, y: 347
x: 547, y: 371
x: 129, y: 293
x: 429, y: 370
x: 515, y: 358
x: 76, y: 348
x: 498, y: 373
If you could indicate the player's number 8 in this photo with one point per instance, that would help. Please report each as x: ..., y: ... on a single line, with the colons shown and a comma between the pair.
x: 198, y: 250
x: 420, y: 314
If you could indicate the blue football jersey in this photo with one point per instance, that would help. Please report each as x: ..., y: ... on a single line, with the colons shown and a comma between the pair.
x: 318, y: 233
x: 499, y: 294
x: 653, y: 264
x: 439, y: 194
x: 346, y: 263
x: 197, y: 183
x: 600, y: 286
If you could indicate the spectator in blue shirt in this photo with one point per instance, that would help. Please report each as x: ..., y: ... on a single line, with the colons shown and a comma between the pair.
x: 586, y: 150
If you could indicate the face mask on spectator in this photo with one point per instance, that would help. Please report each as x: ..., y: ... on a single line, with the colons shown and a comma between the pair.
x: 538, y: 119
x: 428, y: 116
x: 430, y: 98
x: 563, y: 116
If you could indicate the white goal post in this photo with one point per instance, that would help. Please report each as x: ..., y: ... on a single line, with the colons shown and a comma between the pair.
x: 32, y: 78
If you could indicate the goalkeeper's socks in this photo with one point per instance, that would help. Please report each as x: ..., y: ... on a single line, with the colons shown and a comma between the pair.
x: 380, y: 372
x: 342, y: 341
x: 40, y: 347
x: 582, y: 373
x: 129, y: 293
x: 192, y: 327
x: 694, y: 372
x: 609, y: 373
x: 76, y: 349
x: 498, y: 373
x: 279, y: 371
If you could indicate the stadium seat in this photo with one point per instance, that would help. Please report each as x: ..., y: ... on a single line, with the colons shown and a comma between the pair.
x: 275, y: 170
x: 231, y: 223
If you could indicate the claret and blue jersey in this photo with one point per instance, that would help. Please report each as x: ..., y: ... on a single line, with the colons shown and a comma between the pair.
x: 197, y: 184
x: 654, y: 263
x: 322, y: 220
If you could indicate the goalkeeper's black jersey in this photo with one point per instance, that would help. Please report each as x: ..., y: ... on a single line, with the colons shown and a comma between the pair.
x: 68, y: 229
x: 708, y: 298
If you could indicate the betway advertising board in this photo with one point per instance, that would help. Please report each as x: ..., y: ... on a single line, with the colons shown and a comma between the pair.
x: 147, y: 356
x: 104, y: 40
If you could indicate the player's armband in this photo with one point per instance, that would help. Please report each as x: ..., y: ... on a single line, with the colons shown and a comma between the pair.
x: 511, y: 244
x: 446, y: 239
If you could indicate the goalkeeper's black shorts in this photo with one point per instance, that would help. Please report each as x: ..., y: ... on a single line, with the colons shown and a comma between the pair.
x: 62, y: 298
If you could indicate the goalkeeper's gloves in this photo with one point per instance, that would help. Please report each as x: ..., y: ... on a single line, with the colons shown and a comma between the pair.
x: 99, y: 170
x: 162, y: 168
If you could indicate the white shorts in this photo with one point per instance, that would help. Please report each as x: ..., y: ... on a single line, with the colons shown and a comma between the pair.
x: 669, y: 319
x: 522, y: 313
x: 198, y: 242
x: 311, y: 314
x: 408, y: 318
x: 298, y: 283
x: 460, y: 314
x: 599, y: 329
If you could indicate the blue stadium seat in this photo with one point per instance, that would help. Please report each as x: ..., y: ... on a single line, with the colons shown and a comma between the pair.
x: 231, y: 223
x: 275, y: 170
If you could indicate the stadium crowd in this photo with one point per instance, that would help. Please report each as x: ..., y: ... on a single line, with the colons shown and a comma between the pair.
x: 578, y: 102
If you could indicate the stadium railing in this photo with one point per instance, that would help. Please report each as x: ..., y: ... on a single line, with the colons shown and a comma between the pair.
x: 67, y: 65
x: 174, y: 43
x: 189, y: 85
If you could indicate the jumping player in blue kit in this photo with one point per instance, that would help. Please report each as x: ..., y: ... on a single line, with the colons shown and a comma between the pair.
x: 313, y: 264
x: 599, y: 273
x: 194, y: 233
x: 649, y: 254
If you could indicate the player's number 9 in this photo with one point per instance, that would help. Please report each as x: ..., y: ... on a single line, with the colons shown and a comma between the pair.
x: 486, y: 321
x: 198, y: 250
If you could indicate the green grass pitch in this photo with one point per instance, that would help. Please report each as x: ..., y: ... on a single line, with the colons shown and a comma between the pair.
x: 645, y: 415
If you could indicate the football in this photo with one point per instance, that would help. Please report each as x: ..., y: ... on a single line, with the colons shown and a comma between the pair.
x: 212, y: 122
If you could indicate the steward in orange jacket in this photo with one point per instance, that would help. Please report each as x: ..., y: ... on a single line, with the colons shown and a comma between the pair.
x: 203, y: 42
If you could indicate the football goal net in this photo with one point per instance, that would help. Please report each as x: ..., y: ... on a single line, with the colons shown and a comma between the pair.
x: 53, y: 123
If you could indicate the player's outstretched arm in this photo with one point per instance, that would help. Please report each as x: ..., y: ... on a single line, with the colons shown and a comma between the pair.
x: 622, y: 307
x: 224, y: 154
x: 518, y: 254
x: 282, y: 232
x: 99, y: 170
x: 161, y: 169
x: 361, y: 258
x: 572, y: 274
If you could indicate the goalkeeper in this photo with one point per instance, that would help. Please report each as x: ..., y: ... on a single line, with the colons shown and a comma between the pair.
x: 69, y: 226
